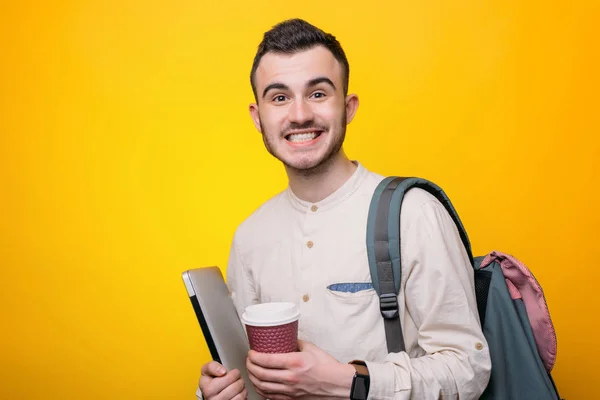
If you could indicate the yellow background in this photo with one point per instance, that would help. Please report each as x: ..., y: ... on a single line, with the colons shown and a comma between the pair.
x: 127, y: 155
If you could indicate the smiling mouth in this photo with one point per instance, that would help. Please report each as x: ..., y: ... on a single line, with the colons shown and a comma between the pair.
x: 303, y: 137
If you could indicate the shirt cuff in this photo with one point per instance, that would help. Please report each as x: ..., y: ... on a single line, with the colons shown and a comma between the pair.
x: 381, y: 378
x: 199, y: 394
x: 391, y: 379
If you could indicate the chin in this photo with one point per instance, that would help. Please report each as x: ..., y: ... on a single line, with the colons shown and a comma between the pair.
x: 308, y: 166
x: 307, y: 162
x: 302, y: 161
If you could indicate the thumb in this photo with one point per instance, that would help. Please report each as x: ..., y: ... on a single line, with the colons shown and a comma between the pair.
x: 304, y: 345
x: 213, y: 369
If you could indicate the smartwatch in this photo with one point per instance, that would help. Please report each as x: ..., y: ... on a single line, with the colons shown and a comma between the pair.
x: 360, y: 382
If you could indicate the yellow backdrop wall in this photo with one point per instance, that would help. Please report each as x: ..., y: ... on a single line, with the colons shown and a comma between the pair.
x: 127, y: 155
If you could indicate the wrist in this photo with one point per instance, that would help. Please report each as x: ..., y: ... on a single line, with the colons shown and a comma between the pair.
x: 340, y: 380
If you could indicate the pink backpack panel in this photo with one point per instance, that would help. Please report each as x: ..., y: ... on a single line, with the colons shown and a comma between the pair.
x: 523, y: 285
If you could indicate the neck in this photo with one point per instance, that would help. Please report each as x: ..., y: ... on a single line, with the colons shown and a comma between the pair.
x: 317, y: 184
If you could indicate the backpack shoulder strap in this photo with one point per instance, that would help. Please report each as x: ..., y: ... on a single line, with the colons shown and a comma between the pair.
x: 383, y: 246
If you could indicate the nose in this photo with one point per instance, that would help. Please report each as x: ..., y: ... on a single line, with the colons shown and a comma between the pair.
x: 300, y: 112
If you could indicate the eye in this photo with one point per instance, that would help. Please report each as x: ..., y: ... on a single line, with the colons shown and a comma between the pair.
x: 279, y: 98
x: 318, y: 95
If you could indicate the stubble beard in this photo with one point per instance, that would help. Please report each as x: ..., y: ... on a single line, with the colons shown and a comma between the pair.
x: 320, y: 166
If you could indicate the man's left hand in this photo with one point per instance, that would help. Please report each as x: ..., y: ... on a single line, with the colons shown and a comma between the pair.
x: 308, y: 373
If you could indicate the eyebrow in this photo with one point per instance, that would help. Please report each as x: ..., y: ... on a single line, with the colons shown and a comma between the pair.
x: 321, y: 79
x: 272, y: 86
x: 312, y: 82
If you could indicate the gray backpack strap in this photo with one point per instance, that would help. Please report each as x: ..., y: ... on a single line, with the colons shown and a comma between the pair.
x: 383, y: 247
x: 385, y: 275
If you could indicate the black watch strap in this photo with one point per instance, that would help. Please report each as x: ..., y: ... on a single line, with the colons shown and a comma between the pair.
x: 360, y: 382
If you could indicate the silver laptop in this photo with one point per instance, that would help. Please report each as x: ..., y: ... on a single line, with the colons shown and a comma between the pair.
x: 222, y: 329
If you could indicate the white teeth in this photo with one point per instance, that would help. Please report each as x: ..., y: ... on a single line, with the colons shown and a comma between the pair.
x: 302, y: 137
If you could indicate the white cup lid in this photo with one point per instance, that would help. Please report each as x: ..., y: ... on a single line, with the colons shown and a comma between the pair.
x: 270, y: 314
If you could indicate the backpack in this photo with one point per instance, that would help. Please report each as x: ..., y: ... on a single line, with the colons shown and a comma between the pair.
x: 510, y: 302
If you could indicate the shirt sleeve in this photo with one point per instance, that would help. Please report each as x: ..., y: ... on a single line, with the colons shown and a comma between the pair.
x: 440, y: 298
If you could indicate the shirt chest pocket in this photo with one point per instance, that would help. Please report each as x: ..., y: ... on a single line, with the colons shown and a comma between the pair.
x: 351, y: 290
x: 349, y: 300
x: 352, y: 308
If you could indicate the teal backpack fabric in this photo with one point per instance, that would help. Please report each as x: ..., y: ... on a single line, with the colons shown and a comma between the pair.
x: 519, y: 370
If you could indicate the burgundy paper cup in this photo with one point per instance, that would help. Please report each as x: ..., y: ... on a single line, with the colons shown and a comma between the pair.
x: 272, y: 327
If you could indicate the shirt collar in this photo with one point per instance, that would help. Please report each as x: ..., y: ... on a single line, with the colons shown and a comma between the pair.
x: 335, y: 198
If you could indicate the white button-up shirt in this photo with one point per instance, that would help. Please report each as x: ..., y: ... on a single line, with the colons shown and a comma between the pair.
x: 292, y: 250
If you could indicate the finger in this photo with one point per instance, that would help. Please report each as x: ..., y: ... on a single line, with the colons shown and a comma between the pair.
x: 273, y: 396
x: 270, y: 375
x: 274, y: 389
x: 217, y: 385
x: 304, y: 345
x: 204, y: 382
x: 257, y: 384
x: 254, y: 380
x: 261, y: 394
x: 241, y: 396
x: 213, y: 368
x: 270, y: 389
x: 231, y: 391
x: 280, y: 397
x: 273, y: 361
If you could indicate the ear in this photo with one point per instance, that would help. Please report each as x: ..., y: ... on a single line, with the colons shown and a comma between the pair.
x: 351, y: 107
x: 255, y: 116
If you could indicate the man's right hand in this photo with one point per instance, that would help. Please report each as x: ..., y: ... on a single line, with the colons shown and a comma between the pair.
x: 219, y: 384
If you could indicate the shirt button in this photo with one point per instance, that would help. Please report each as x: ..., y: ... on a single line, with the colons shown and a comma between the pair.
x: 305, y: 298
x: 479, y: 346
x: 310, y: 244
x: 314, y: 208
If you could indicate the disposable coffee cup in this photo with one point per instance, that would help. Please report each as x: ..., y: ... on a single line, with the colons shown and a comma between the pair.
x: 272, y: 327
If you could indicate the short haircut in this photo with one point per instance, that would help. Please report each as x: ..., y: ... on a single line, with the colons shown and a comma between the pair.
x: 296, y: 35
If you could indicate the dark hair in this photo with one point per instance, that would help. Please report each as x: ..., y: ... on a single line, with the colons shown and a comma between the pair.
x: 295, y: 35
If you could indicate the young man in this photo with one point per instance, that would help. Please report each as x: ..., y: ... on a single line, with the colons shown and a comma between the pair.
x: 307, y: 245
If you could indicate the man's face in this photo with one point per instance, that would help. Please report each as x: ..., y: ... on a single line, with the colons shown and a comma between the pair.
x: 302, y: 111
